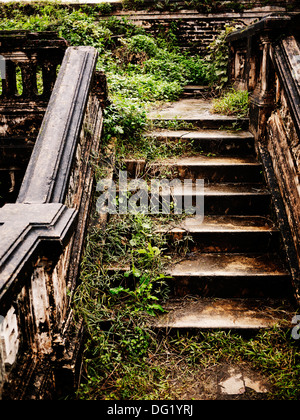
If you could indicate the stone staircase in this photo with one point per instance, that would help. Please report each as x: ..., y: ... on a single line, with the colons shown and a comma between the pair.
x: 234, y: 275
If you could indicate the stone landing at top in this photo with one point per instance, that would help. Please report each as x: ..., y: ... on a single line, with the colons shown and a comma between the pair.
x: 196, y: 111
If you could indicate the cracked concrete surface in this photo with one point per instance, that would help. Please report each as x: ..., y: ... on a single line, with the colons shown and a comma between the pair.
x: 234, y: 381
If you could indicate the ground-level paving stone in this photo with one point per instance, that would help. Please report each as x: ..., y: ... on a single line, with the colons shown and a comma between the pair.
x: 233, y: 380
x: 232, y: 383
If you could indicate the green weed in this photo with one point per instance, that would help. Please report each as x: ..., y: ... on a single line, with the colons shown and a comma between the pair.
x: 218, y: 54
x: 232, y: 102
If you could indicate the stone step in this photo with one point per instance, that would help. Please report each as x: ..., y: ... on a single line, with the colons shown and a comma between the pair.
x: 213, y: 199
x: 205, y: 122
x: 217, y: 199
x: 224, y: 234
x: 196, y: 91
x: 230, y: 276
x: 228, y: 314
x: 196, y: 88
x: 219, y: 142
x: 230, y: 199
x: 211, y: 169
x: 197, y: 112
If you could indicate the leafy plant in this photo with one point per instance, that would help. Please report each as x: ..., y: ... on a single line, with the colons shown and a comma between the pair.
x: 105, y: 8
x: 142, y: 43
x: 218, y: 57
x: 116, y: 307
x: 133, y: 4
x: 123, y: 119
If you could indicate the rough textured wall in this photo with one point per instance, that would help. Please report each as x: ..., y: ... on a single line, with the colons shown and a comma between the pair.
x: 81, y: 180
x: 196, y: 27
x: 284, y: 146
x: 265, y: 61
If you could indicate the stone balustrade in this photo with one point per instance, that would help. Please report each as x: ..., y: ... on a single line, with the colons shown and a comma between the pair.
x: 42, y: 235
x: 265, y: 60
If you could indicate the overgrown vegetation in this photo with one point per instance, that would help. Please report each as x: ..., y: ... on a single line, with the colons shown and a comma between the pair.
x: 126, y: 360
x: 232, y: 102
x: 140, y: 70
x: 117, y: 304
x: 203, y: 6
x: 123, y: 358
x: 219, y: 54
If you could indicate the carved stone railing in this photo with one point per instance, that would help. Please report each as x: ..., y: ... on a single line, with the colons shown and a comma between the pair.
x: 30, y: 61
x: 32, y: 55
x: 265, y: 60
x: 42, y: 238
x: 28, y: 57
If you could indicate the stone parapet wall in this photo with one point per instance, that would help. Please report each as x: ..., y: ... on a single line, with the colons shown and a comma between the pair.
x: 44, y: 235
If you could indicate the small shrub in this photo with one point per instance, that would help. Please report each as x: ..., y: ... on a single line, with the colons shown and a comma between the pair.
x: 123, y: 120
x: 142, y: 43
x: 173, y: 66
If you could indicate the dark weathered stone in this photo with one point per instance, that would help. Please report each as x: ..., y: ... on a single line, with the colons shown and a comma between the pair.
x: 21, y: 113
x: 241, y: 234
x: 43, y: 233
x: 23, y: 228
x: 195, y: 28
x: 47, y: 175
x: 270, y: 71
x: 29, y: 51
x: 286, y: 59
x: 231, y: 275
x: 218, y: 142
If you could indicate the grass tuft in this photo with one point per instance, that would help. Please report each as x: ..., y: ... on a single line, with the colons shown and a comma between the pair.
x: 233, y: 102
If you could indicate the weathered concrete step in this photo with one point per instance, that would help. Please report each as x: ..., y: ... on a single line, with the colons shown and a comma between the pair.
x: 218, y: 199
x: 206, y: 122
x: 233, y: 314
x: 196, y: 91
x: 220, y: 142
x: 230, y: 276
x: 230, y: 199
x: 211, y: 169
x: 224, y: 233
x: 197, y: 112
x: 196, y: 88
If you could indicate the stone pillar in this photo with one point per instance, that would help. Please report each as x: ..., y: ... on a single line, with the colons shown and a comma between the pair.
x: 265, y: 42
x: 262, y: 98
